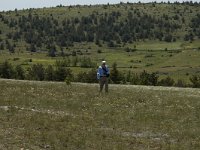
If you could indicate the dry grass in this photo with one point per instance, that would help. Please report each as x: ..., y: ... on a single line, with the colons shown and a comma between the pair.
x: 50, y: 115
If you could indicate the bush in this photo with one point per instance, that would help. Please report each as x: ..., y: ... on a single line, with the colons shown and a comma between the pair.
x: 195, y: 79
x: 166, y: 82
x: 20, y: 73
x: 61, y: 73
x: 73, y: 53
x: 68, y: 80
x: 75, y: 61
x: 127, y: 49
x: 49, y: 73
x: 36, y: 72
x: 148, y: 79
x: 86, y: 62
x: 115, y: 75
x: 168, y: 38
x: 87, y: 77
x: 2, y: 46
x: 7, y: 70
x: 16, y: 58
x: 135, y: 79
x: 180, y: 83
x: 64, y: 62
x: 99, y: 51
x: 143, y: 78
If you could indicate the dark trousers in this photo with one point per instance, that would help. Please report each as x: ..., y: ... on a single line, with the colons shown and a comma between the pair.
x: 103, y: 81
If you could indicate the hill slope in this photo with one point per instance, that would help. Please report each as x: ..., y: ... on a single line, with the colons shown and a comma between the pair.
x: 43, y: 29
x: 161, y: 38
x: 48, y: 115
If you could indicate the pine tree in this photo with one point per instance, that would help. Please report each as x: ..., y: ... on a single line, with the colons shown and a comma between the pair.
x: 49, y: 73
x: 115, y: 74
x: 20, y: 74
x: 7, y: 70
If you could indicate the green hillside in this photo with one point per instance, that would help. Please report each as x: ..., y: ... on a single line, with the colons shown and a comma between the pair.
x: 156, y: 37
x: 52, y: 115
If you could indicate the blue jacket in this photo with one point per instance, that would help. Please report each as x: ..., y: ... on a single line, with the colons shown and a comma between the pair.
x: 103, y: 72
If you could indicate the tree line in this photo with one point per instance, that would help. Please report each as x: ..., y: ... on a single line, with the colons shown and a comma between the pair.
x: 59, y: 72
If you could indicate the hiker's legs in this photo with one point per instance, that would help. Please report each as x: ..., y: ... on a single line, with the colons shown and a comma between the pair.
x: 101, y: 83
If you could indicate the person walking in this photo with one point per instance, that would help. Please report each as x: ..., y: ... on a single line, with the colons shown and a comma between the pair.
x: 103, y: 74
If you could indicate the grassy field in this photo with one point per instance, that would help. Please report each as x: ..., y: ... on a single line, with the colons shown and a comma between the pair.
x: 53, y: 115
x: 179, y: 60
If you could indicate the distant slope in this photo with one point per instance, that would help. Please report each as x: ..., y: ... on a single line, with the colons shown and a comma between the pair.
x: 49, y: 28
x: 155, y: 37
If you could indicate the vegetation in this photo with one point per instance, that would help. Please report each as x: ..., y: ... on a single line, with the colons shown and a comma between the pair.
x: 112, y: 26
x: 52, y: 115
x: 155, y: 44
x: 160, y: 38
x: 62, y: 73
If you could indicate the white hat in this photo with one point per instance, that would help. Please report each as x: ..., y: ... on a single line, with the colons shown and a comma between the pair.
x: 103, y: 62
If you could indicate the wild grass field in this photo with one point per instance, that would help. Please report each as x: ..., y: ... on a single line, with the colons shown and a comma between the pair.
x: 53, y: 115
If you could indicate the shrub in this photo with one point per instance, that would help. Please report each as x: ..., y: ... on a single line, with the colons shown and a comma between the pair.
x: 180, y: 83
x: 49, y: 73
x: 68, y: 80
x: 73, y: 53
x: 168, y: 81
x: 2, y: 46
x: 99, y: 51
x: 16, y: 58
x: 75, y: 61
x: 87, y: 77
x: 148, y: 79
x: 115, y: 75
x: 135, y: 79
x: 86, y: 62
x: 36, y: 72
x: 20, y: 73
x: 61, y: 73
x: 64, y: 62
x: 195, y: 79
x: 7, y: 70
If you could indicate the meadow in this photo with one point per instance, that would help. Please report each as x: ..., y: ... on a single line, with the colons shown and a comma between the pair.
x: 54, y: 115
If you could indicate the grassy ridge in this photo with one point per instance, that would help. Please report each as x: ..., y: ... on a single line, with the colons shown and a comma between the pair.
x: 48, y: 115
